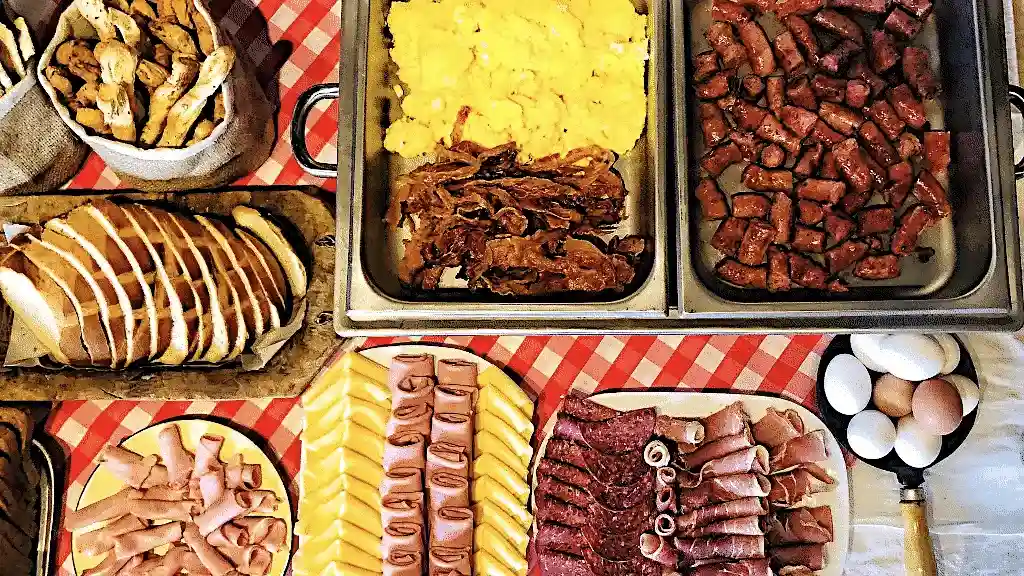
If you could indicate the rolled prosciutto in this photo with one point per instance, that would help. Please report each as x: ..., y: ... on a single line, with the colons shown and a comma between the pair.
x: 167, y: 565
x: 164, y: 492
x: 627, y: 432
x: 113, y: 566
x: 718, y: 448
x: 578, y: 405
x: 212, y: 560
x: 751, y: 506
x: 127, y: 466
x: 753, y: 459
x: 723, y: 489
x: 448, y: 489
x: 752, y: 567
x: 801, y: 526
x: 134, y: 543
x: 102, y: 539
x: 693, y: 550
x: 659, y: 549
x: 777, y: 427
x: 452, y: 428
x: 111, y: 507
x: 742, y: 526
x: 810, y: 555
x: 208, y: 454
x: 656, y: 454
x: 790, y: 488
x: 679, y: 430
x: 665, y: 476
x: 179, y: 462
x: 664, y: 525
x: 665, y: 499
x: 808, y: 448
x: 728, y: 421
x: 445, y: 560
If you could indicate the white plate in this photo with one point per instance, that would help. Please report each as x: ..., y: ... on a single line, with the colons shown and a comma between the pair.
x: 683, y: 404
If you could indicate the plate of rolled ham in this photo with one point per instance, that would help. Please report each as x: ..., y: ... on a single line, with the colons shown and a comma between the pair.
x: 189, y: 496
x: 689, y: 482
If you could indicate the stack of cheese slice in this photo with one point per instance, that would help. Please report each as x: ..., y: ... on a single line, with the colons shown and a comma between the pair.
x: 339, y: 524
x: 114, y: 285
x: 502, y: 454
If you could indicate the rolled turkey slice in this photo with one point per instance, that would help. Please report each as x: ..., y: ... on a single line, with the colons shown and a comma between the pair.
x: 61, y: 235
x: 45, y: 304
x: 272, y: 236
x: 238, y: 254
x: 182, y: 263
x: 273, y: 278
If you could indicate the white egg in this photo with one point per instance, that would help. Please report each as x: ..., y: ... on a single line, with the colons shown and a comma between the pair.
x: 969, y: 392
x: 871, y: 434
x: 912, y: 357
x: 866, y: 349
x: 915, y: 445
x: 847, y: 384
x: 952, y: 351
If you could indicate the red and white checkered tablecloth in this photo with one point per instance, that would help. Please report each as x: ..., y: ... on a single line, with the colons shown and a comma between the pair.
x: 264, y: 28
x: 548, y: 366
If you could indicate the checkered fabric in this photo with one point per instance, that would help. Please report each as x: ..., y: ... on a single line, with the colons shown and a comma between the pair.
x: 547, y: 366
x: 264, y: 29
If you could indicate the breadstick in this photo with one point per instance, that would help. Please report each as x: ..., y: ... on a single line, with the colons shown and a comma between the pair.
x: 127, y: 26
x: 185, y: 112
x: 183, y: 72
x: 117, y: 66
x: 92, y: 118
x: 181, y: 12
x: 76, y: 55
x: 177, y: 38
x: 151, y: 74
x: 60, y: 82
x: 96, y: 13
x: 142, y: 8
x: 117, y: 112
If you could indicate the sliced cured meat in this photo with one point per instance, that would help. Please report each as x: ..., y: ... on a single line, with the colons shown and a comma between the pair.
x: 801, y: 526
x: 554, y: 563
x: 612, y: 521
x: 811, y: 556
x: 624, y: 433
x: 665, y: 499
x: 564, y: 472
x: 777, y: 427
x: 720, y: 547
x: 728, y: 421
x: 750, y: 506
x: 550, y: 509
x: 620, y: 470
x: 560, y: 538
x: 753, y: 459
x: 679, y: 430
x: 579, y: 406
x: 718, y: 448
x: 742, y: 526
x: 611, y: 546
x: 404, y: 366
x: 659, y: 549
x: 803, y: 449
x: 723, y: 489
x: 789, y: 488
x: 550, y: 486
x: 623, y: 497
x: 752, y: 567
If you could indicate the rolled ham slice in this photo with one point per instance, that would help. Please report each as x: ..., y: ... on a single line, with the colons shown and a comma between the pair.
x: 242, y: 476
x: 263, y: 501
x: 446, y: 456
x: 777, y: 427
x: 113, y: 566
x: 231, y: 505
x: 723, y: 489
x: 212, y: 560
x: 804, y: 449
x: 127, y: 466
x: 689, y: 522
x: 810, y: 555
x: 164, y: 492
x: 451, y: 399
x: 656, y: 454
x: 742, y: 526
x: 405, y: 365
x: 718, y: 448
x: 692, y: 550
x: 211, y: 487
x: 401, y: 563
x: 405, y: 450
x: 752, y: 567
x: 111, y: 507
x: 266, y: 531
x: 405, y: 536
x: 208, y: 454
x: 679, y: 430
x: 452, y: 428
x: 753, y: 459
x: 801, y: 526
x: 452, y: 528
x: 229, y: 535
x: 728, y: 421
x: 180, y: 511
x: 791, y: 487
x: 448, y: 489
x: 402, y: 480
x: 445, y: 561
x: 411, y: 418
x: 249, y: 560
x: 659, y: 549
x: 102, y: 539
x: 167, y: 565
x: 413, y: 391
x: 402, y: 507
x: 179, y: 462
x: 134, y: 543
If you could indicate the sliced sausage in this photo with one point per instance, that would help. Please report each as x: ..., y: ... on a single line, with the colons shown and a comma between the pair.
x: 714, y: 87
x: 712, y: 201
x: 771, y: 129
x: 884, y: 53
x: 931, y: 193
x: 919, y: 8
x: 840, y: 25
x: 800, y: 120
x: 818, y: 190
x: 799, y: 92
x: 936, y: 151
x: 824, y: 133
x: 866, y: 6
x: 901, y: 178
x: 857, y: 93
x: 721, y: 37
x: 781, y: 216
x: 880, y: 149
x: 773, y: 156
x: 728, y: 11
x: 860, y: 71
x: 807, y: 239
x: 828, y: 88
x: 845, y: 255
x: 705, y: 65
x: 790, y: 58
x: 775, y: 93
x: 828, y: 169
x: 882, y: 267
x: 741, y: 275
x: 835, y: 60
x: 712, y: 124
x: 759, y: 51
x: 876, y: 220
x: 764, y: 180
x: 918, y: 72
x: 750, y: 205
x: 750, y: 145
x: 908, y: 146
x: 809, y: 160
x: 844, y: 120
x: 804, y: 36
x: 902, y: 25
x: 854, y: 201
x: 853, y: 165
x: 778, y: 270
x: 811, y: 213
x: 748, y: 116
x: 839, y: 227
x: 883, y: 114
x: 806, y: 272
x: 716, y: 160
x: 756, y: 239
x: 913, y: 222
x: 729, y: 235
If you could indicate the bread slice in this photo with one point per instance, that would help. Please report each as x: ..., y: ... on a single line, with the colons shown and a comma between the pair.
x: 98, y: 329
x: 268, y: 269
x: 272, y: 236
x: 45, y: 308
x: 65, y: 238
x: 184, y: 271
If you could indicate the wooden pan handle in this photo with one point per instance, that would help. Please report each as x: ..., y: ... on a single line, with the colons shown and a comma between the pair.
x: 918, y: 555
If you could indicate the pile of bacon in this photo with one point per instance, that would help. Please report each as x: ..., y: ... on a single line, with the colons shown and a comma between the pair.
x: 710, y: 496
x: 515, y: 228
x: 834, y: 146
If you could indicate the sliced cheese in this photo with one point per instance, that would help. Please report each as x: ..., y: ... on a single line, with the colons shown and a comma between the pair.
x: 368, y: 417
x: 363, y: 365
x: 326, y: 489
x: 486, y: 538
x: 494, y: 376
x: 359, y: 558
x: 487, y: 512
x: 347, y: 507
x: 488, y: 465
x: 350, y: 570
x: 484, y: 563
x: 494, y: 401
x: 338, y: 383
x: 347, y: 461
x: 487, y: 488
x: 353, y: 534
x: 486, y: 442
x: 487, y: 422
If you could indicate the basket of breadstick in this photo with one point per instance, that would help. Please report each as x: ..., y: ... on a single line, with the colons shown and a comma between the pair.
x: 157, y: 91
x: 38, y: 152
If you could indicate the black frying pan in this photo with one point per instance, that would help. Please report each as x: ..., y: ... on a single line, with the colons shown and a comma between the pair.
x: 919, y: 558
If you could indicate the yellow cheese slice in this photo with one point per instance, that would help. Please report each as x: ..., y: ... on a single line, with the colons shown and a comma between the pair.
x: 347, y: 507
x: 325, y: 382
x: 359, y: 558
x: 366, y: 414
x: 486, y: 442
x: 484, y: 563
x: 486, y: 487
x: 494, y: 401
x: 327, y: 555
x: 351, y: 435
x: 363, y: 365
x: 494, y: 376
x: 347, y: 461
x: 360, y: 538
x: 486, y: 538
x: 487, y: 512
x: 487, y: 422
x: 489, y: 465
x: 350, y: 385
x: 342, y: 569
x: 310, y: 556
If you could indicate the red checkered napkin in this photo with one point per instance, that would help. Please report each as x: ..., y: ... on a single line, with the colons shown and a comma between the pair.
x: 84, y: 428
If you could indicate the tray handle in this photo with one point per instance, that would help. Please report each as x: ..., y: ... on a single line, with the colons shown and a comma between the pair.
x: 303, y: 106
x: 1017, y: 101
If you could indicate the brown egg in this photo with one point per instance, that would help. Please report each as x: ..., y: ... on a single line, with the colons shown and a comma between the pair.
x: 937, y: 406
x: 892, y: 396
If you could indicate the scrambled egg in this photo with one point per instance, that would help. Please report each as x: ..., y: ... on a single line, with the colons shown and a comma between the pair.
x: 550, y: 75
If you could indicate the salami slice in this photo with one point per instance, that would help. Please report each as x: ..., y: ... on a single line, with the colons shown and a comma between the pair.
x: 754, y: 567
x: 810, y: 555
x: 610, y: 521
x: 801, y: 526
x: 621, y: 470
x: 553, y: 563
x: 567, y: 452
x: 718, y: 448
x: 611, y: 546
x: 723, y: 489
x: 635, y: 566
x: 727, y: 547
x: 564, y: 472
x: 626, y: 432
x: 555, y: 488
x: 622, y: 497
x: 777, y: 427
x: 728, y: 421
x: 579, y: 406
x: 560, y: 538
x: 800, y: 450
x: 689, y: 522
x: 549, y: 509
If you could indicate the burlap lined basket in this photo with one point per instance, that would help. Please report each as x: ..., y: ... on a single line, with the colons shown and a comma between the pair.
x: 237, y: 146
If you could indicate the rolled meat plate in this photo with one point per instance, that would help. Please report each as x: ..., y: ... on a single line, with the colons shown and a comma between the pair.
x: 452, y: 428
x: 179, y: 462
x: 405, y: 450
x: 665, y: 499
x: 448, y: 489
x: 451, y: 399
